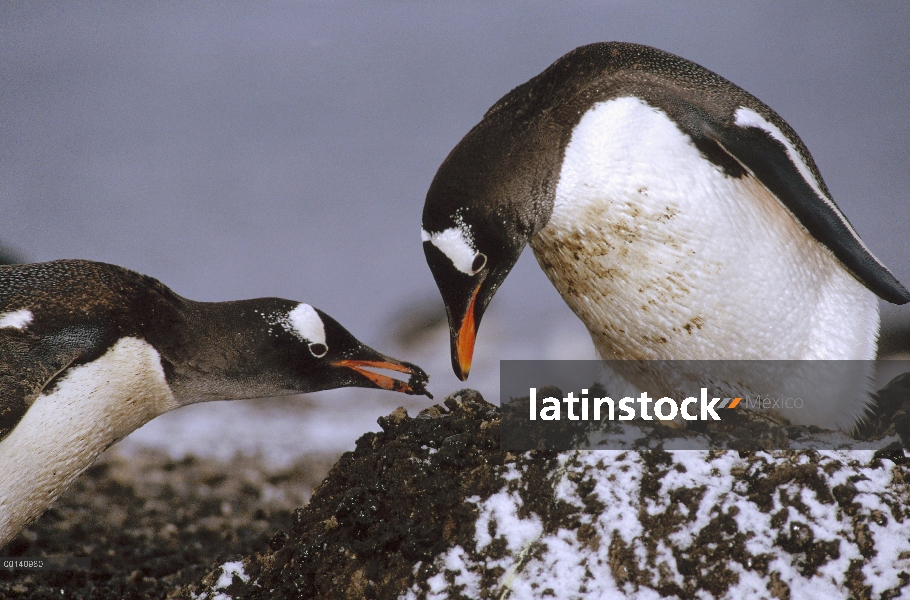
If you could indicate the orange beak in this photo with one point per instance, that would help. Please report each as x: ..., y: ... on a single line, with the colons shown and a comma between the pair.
x: 464, y: 340
x: 416, y: 384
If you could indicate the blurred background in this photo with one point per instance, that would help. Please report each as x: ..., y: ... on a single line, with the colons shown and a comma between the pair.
x: 284, y: 149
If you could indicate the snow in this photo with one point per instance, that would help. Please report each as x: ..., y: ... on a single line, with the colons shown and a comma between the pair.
x: 538, y: 562
x: 228, y: 570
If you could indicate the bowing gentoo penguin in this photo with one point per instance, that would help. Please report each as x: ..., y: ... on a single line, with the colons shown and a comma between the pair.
x: 678, y: 216
x: 91, y: 351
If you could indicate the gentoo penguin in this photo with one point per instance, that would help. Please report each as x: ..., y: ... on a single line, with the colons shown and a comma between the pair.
x: 91, y: 351
x: 677, y: 215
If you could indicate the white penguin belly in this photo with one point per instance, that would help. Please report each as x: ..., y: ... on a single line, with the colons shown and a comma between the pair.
x: 662, y: 256
x: 64, y: 431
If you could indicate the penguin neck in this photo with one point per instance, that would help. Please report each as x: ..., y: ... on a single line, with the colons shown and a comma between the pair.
x: 213, y: 356
x: 91, y: 407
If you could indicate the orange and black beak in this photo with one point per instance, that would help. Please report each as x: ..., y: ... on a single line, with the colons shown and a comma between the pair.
x: 417, y: 378
x: 354, y: 364
x: 462, y: 335
x: 466, y: 296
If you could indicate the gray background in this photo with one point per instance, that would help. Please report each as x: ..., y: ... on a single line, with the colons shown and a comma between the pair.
x: 260, y: 149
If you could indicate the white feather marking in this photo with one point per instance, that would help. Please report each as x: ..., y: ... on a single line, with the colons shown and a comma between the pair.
x: 457, y: 244
x: 65, y: 430
x: 18, y: 319
x: 304, y: 322
x: 746, y: 117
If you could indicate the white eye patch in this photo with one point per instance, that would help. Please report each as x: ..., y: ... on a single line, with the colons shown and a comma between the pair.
x: 17, y: 319
x: 457, y: 246
x: 304, y: 322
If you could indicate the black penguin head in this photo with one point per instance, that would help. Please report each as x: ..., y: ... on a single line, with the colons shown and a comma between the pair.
x: 291, y: 347
x: 348, y: 362
x: 491, y: 194
x: 468, y: 263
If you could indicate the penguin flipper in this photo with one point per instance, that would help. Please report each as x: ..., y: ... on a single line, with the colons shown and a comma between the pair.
x: 766, y: 153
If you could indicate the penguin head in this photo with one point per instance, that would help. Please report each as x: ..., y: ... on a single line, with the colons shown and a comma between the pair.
x: 490, y: 195
x: 345, y: 361
x: 287, y: 347
x: 331, y: 357
x: 468, y: 268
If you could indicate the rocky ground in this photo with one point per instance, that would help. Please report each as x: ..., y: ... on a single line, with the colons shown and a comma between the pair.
x: 151, y: 524
x: 430, y: 507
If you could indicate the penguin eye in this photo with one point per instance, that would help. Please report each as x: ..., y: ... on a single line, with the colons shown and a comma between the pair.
x: 480, y: 261
x: 318, y: 350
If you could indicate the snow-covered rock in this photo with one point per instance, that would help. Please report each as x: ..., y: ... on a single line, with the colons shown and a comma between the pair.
x: 431, y: 508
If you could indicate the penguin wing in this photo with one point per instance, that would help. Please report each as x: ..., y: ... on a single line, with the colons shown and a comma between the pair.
x: 28, y: 363
x: 765, y: 152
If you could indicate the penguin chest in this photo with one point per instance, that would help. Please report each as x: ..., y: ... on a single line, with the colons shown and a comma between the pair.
x: 66, y: 429
x: 663, y: 256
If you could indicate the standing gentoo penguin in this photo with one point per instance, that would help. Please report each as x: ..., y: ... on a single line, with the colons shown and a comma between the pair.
x: 678, y: 216
x: 90, y: 351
